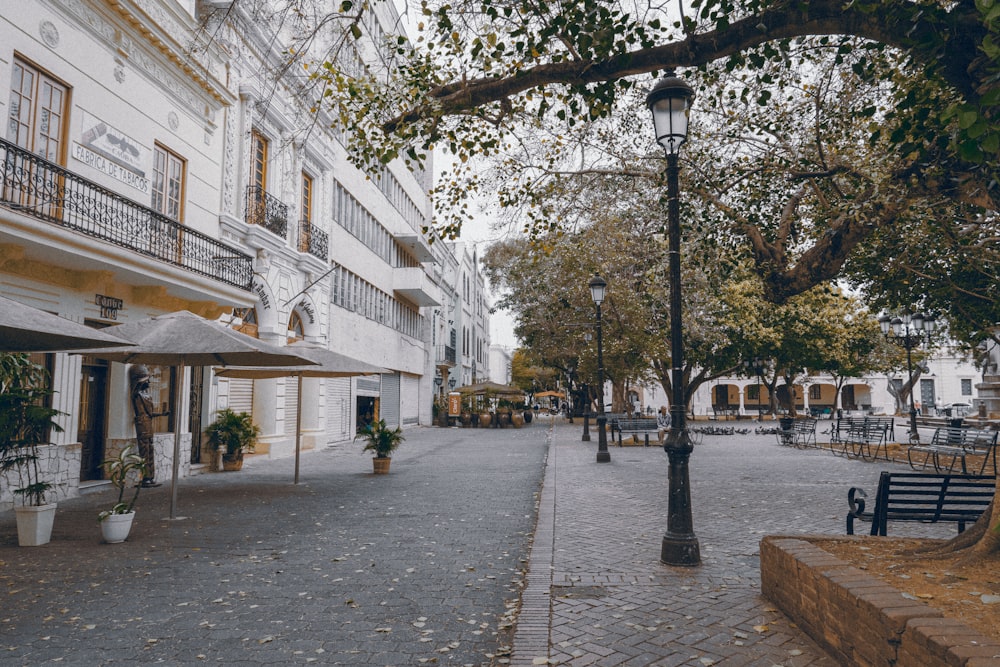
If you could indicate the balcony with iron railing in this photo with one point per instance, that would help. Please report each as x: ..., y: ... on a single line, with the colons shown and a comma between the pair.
x: 313, y: 240
x: 267, y: 211
x: 445, y: 356
x: 34, y: 186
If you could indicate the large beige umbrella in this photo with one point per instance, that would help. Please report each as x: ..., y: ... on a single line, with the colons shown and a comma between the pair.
x: 492, y: 388
x: 328, y: 364
x: 27, y: 329
x: 550, y: 394
x: 185, y: 339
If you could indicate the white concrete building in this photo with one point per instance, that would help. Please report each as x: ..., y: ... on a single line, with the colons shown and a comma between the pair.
x: 950, y: 380
x: 500, y: 364
x: 149, y: 169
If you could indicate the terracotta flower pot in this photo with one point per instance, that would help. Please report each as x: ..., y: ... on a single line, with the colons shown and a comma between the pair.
x: 232, y: 465
x: 380, y: 466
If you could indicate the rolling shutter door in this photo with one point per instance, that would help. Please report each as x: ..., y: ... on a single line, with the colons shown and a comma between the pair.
x: 389, y: 401
x: 291, y: 405
x: 240, y: 395
x: 338, y: 409
x: 409, y: 399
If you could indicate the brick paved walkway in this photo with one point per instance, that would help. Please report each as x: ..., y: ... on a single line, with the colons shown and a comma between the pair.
x: 597, y: 593
x: 426, y: 565
x: 417, y: 567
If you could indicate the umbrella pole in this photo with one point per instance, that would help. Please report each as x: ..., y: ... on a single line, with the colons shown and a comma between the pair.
x: 298, y: 430
x: 175, y: 472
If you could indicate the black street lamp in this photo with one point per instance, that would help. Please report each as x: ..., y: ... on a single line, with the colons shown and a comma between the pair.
x: 909, y: 331
x: 670, y: 102
x: 598, y: 286
x: 586, y: 407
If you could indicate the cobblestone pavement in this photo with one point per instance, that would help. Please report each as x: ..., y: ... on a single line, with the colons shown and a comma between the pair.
x: 600, y: 526
x: 417, y: 567
x: 425, y: 565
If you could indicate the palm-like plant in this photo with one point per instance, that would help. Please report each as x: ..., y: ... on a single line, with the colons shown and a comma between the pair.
x: 381, y: 440
x: 25, y: 424
x: 126, y: 468
x: 235, y: 431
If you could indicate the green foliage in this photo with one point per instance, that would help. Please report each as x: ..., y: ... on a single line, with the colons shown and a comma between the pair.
x: 25, y: 423
x: 123, y: 471
x: 830, y: 121
x: 379, y: 439
x: 234, y: 431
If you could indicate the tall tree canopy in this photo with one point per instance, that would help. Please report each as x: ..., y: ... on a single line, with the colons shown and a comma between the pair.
x: 830, y: 131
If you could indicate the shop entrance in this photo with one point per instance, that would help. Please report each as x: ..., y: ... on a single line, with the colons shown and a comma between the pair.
x: 367, y: 411
x: 93, y: 408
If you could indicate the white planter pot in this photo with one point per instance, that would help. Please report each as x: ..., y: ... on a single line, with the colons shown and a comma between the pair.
x: 34, y: 524
x: 115, y: 527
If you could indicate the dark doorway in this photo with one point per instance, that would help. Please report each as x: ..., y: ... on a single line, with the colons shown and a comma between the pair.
x: 93, y: 408
x: 367, y: 411
x: 194, y: 412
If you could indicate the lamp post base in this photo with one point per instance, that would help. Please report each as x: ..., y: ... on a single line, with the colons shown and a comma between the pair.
x: 680, y: 550
x: 603, y: 455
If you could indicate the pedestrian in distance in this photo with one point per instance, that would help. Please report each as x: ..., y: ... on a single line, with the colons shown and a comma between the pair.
x: 662, y: 423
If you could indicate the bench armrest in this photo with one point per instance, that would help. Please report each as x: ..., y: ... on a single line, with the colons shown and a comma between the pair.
x: 856, y: 503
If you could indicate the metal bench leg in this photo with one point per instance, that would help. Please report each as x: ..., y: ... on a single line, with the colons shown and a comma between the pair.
x: 647, y: 439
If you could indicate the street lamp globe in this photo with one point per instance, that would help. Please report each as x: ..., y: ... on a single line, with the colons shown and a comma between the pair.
x: 598, y: 286
x: 898, y: 327
x: 670, y: 102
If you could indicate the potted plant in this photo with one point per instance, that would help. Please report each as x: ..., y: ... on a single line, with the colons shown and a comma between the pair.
x: 381, y: 441
x: 25, y: 424
x: 235, y: 434
x: 123, y: 471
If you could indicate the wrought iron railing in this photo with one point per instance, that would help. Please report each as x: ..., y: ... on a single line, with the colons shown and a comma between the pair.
x: 267, y: 211
x: 445, y: 354
x: 313, y: 240
x: 34, y: 186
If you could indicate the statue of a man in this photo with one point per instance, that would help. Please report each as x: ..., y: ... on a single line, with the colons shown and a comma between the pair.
x: 142, y: 407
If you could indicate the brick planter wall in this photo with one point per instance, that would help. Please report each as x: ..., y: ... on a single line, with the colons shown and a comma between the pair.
x: 858, y: 618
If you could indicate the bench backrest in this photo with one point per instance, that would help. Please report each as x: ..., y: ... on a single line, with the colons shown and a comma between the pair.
x: 642, y: 424
x: 972, y: 439
x: 866, y: 428
x: 930, y: 497
x: 806, y: 425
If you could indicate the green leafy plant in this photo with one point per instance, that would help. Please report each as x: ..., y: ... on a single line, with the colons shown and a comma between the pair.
x: 235, y: 431
x: 126, y: 469
x: 381, y: 440
x: 25, y: 424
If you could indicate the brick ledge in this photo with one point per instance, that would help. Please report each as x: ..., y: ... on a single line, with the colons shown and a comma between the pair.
x: 859, y: 619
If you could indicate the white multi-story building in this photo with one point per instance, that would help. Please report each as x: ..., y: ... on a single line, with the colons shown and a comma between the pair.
x: 500, y: 364
x: 157, y: 158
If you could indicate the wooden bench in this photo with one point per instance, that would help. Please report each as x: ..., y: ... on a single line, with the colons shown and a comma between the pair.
x: 859, y: 435
x: 954, y: 444
x: 633, y: 426
x: 924, y: 497
x: 801, y: 433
